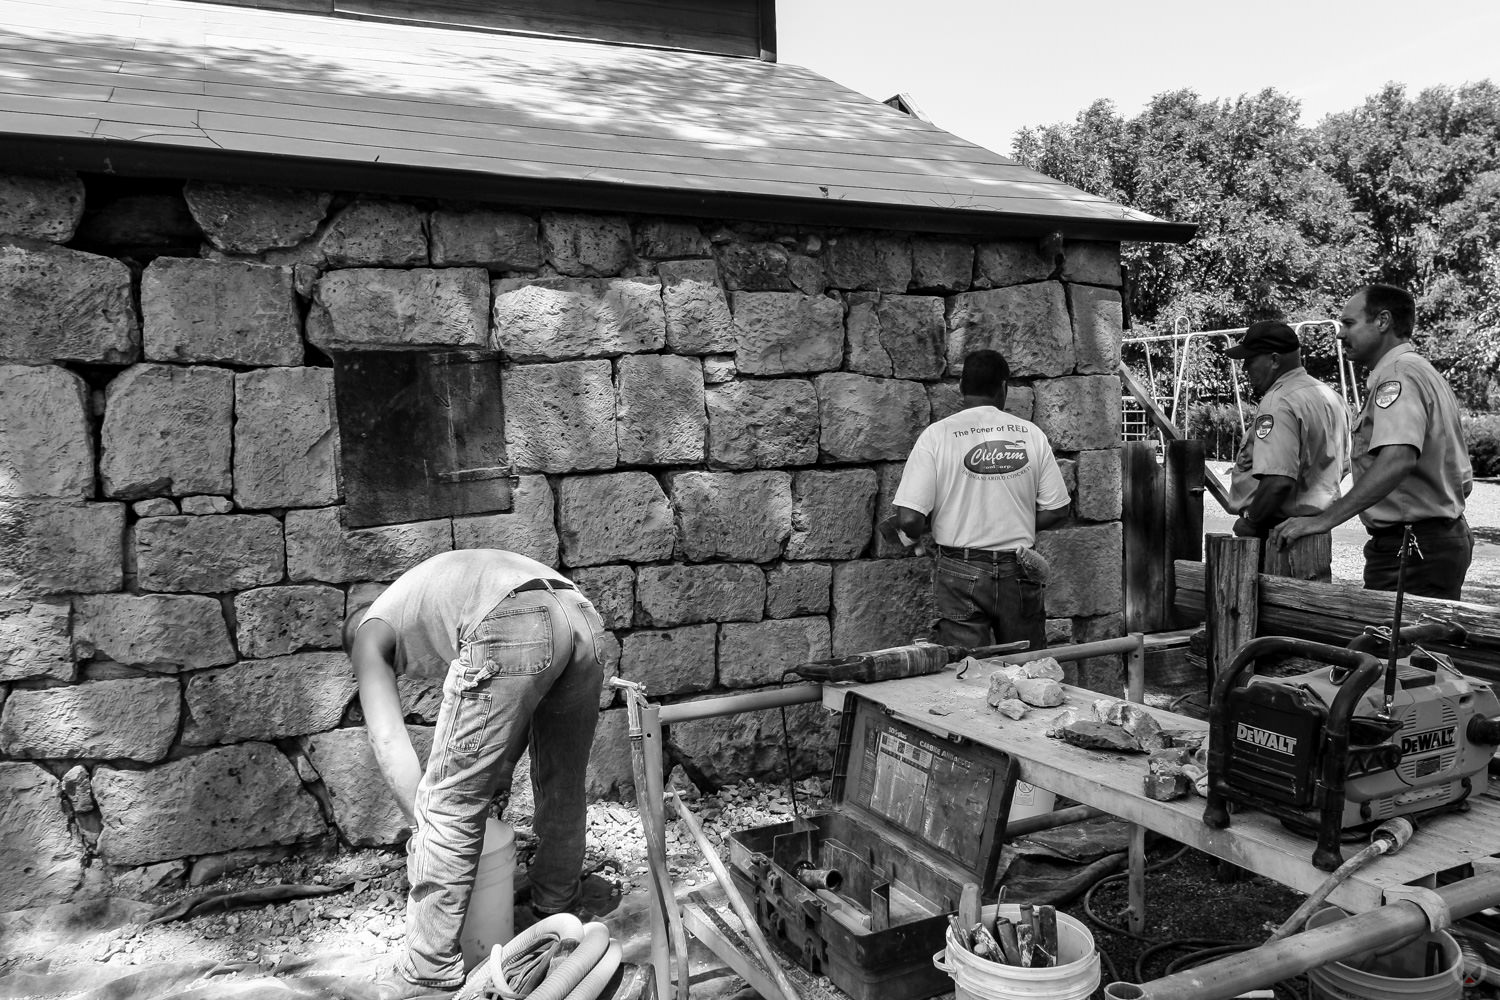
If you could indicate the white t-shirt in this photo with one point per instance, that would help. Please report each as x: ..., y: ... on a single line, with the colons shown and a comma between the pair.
x: 981, y: 475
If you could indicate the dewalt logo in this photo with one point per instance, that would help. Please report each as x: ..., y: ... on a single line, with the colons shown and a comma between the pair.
x: 1279, y: 742
x: 1430, y: 741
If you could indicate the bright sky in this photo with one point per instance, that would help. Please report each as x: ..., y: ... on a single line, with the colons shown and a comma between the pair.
x: 985, y: 69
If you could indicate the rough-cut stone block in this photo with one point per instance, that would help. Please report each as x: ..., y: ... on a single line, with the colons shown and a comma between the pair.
x: 941, y: 265
x: 63, y: 305
x: 364, y: 809
x: 78, y: 788
x: 50, y: 547
x: 697, y: 312
x: 104, y: 720
x: 797, y: 589
x: 1027, y: 323
x: 209, y: 554
x: 1097, y: 328
x: 612, y: 518
x: 900, y: 335
x: 997, y: 265
x: 608, y: 774
x: 755, y: 267
x: 1079, y: 414
x: 733, y: 515
x: 889, y: 477
x: 268, y: 699
x: 671, y: 662
x: 757, y: 654
x: 274, y: 621
x: 832, y: 513
x: 167, y: 429
x: 482, y: 237
x: 555, y: 319
x: 1100, y: 484
x: 163, y: 632
x: 198, y: 506
x: 240, y: 796
x: 243, y: 218
x: 528, y: 527
x: 663, y: 239
x: 319, y: 547
x: 1092, y: 263
x: 762, y: 423
x: 40, y: 861
x: 1105, y: 674
x: 1021, y: 401
x: 1086, y: 567
x: 732, y: 748
x: 611, y: 589
x: 374, y: 308
x: 787, y: 332
x: 229, y: 311
x: 807, y: 274
x: 46, y: 443
x: 683, y: 595
x: 155, y: 507
x: 376, y: 234
x: 286, y: 441
x: 881, y: 603
x: 946, y: 399
x: 660, y: 410
x: 869, y: 261
x: 560, y: 418
x: 718, y: 369
x: 865, y: 419
x: 36, y: 640
x: 40, y: 208
x: 586, y: 246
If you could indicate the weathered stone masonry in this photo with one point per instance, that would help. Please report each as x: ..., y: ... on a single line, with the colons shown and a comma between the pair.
x: 703, y: 422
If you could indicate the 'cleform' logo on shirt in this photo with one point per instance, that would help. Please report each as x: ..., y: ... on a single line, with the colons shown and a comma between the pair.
x: 1263, y: 425
x: 992, y: 458
x: 1387, y: 393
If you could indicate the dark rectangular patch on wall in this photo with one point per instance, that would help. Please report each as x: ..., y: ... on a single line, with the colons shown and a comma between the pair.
x: 422, y: 435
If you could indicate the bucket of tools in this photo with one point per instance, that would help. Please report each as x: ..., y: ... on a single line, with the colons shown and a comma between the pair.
x: 1073, y: 973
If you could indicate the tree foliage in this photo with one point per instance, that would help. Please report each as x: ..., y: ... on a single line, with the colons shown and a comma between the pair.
x: 1291, y: 217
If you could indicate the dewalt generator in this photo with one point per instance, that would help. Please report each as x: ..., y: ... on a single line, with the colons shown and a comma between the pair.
x: 1330, y: 752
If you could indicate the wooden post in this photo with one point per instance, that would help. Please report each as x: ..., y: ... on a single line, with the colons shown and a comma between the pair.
x: 1183, y: 517
x: 1146, y: 607
x: 1232, y: 565
x: 1308, y: 558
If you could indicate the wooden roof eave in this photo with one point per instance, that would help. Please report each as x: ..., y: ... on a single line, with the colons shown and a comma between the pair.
x: 30, y: 152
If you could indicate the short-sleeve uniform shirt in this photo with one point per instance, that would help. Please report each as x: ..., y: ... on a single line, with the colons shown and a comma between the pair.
x: 1300, y: 431
x: 1409, y: 403
x: 981, y: 474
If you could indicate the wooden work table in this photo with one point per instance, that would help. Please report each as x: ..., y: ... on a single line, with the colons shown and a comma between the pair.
x: 947, y: 706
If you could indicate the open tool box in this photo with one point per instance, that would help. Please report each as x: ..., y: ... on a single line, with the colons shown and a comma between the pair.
x: 862, y: 894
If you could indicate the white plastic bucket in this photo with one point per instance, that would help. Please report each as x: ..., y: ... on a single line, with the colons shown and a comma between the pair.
x: 1029, y: 800
x: 1074, y: 977
x: 490, y: 919
x: 1398, y: 975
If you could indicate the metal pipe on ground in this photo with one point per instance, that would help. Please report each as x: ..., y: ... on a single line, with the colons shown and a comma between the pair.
x: 1271, y: 963
x: 1049, y: 820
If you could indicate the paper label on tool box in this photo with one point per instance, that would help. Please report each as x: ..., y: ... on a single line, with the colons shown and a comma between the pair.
x: 922, y: 786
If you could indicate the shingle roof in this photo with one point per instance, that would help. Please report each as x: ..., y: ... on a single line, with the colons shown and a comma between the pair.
x: 183, y: 89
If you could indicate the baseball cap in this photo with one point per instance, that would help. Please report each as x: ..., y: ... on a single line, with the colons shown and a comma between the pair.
x: 1268, y: 336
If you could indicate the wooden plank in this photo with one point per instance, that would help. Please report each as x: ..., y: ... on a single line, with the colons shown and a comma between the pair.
x: 1145, y: 556
x: 1307, y: 558
x: 1231, y: 589
x: 949, y: 707
x: 1164, y: 422
x: 305, y: 6
x: 1183, y: 472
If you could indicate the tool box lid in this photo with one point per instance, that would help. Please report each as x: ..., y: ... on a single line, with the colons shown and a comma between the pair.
x: 942, y: 796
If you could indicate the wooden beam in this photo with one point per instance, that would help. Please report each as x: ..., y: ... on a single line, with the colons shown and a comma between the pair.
x: 1232, y: 611
x: 1164, y: 423
x: 1146, y: 593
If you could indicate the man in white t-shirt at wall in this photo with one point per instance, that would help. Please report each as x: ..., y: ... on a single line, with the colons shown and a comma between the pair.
x: 985, y: 481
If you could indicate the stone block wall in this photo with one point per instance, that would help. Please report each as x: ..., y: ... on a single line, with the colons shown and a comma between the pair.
x: 704, y: 422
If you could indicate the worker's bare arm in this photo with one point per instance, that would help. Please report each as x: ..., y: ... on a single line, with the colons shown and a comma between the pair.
x: 1048, y: 518
x: 912, y: 524
x: 373, y: 657
x: 1265, y: 505
x: 1392, y: 464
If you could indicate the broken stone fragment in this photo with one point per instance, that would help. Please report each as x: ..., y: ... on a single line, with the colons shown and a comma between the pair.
x: 1166, y: 787
x: 1012, y: 708
x: 1040, y: 692
x: 1107, y: 710
x: 1047, y: 668
x: 1142, y: 727
x: 1093, y: 735
x: 1061, y: 721
x: 1002, y: 688
x: 1168, y: 762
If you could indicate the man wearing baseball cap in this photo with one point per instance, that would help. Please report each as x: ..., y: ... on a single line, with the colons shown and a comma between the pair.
x: 1296, y: 449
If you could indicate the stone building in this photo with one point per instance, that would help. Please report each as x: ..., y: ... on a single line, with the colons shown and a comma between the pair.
x: 289, y: 302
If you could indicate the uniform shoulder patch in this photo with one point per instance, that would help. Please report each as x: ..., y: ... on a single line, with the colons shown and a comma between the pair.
x: 1387, y: 393
x: 1263, y: 425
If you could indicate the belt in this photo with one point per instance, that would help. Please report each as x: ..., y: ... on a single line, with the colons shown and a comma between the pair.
x: 978, y: 555
x: 540, y: 584
x: 1431, y: 525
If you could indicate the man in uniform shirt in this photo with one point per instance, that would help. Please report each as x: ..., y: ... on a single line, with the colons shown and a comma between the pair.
x: 1410, y: 462
x: 1297, y: 447
x: 985, y: 481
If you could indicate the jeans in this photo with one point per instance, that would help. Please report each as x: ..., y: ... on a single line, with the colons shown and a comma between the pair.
x: 980, y: 603
x: 532, y: 666
x: 1438, y: 571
